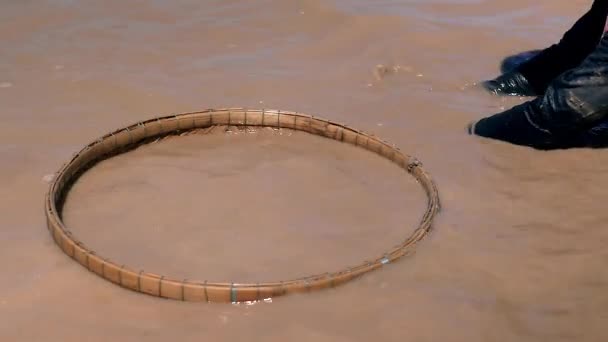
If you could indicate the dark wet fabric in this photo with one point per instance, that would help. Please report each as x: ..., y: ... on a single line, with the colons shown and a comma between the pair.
x: 513, y: 62
x: 577, y: 99
x: 572, y: 112
x: 532, y: 75
x: 576, y: 44
x: 514, y: 126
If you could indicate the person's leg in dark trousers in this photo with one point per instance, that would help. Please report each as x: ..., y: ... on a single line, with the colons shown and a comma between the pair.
x: 532, y: 76
x: 573, y: 112
x: 515, y: 61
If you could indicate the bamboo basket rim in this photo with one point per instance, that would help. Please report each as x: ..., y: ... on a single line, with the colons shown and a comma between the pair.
x: 139, y: 133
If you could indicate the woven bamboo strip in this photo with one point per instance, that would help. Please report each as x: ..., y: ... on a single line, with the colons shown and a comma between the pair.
x: 124, y: 139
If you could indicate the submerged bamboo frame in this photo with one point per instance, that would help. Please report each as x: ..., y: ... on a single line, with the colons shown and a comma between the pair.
x: 190, y: 290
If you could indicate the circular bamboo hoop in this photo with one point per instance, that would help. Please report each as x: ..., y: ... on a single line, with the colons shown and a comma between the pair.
x: 130, y: 137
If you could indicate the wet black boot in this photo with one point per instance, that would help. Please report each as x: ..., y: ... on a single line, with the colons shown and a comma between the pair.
x: 511, y: 83
x: 515, y: 126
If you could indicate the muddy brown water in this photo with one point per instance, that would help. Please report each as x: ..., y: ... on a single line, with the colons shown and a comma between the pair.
x: 244, y: 205
x: 517, y: 254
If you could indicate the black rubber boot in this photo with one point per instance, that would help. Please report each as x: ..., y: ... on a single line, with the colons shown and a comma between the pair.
x: 511, y: 83
x: 515, y: 126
